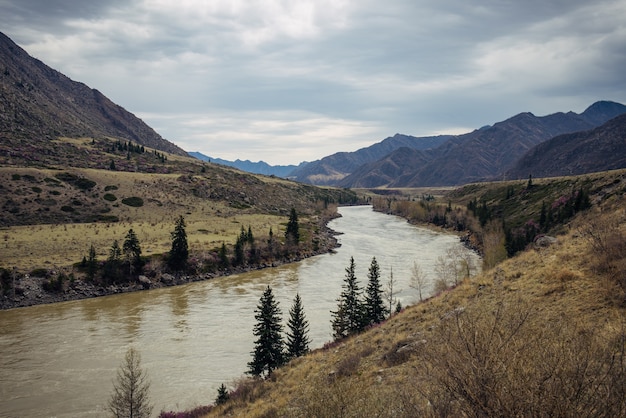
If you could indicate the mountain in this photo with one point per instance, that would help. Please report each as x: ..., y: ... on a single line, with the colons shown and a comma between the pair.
x: 600, y: 149
x: 260, y: 167
x: 38, y: 103
x: 332, y: 169
x: 483, y: 154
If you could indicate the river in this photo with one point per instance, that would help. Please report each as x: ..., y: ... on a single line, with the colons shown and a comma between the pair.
x: 60, y: 360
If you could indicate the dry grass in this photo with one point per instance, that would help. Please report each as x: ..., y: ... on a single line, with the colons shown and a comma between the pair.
x: 210, y: 221
x: 541, y: 334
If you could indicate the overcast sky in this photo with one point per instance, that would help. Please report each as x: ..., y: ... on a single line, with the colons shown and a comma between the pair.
x: 286, y: 81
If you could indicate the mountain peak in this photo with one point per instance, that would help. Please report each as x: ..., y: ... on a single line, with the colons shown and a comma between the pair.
x: 603, y: 110
x: 41, y: 102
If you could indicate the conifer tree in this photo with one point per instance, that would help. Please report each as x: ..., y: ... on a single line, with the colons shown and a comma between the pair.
x: 292, y: 234
x: 92, y: 263
x: 348, y: 318
x: 375, y: 310
x: 112, y: 265
x: 132, y: 251
x: 297, y: 335
x: 130, y: 396
x: 180, y: 249
x: 268, y: 348
x: 222, y: 395
x: 223, y: 254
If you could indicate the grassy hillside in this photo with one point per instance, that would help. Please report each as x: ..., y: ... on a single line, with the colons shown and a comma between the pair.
x: 540, y: 334
x: 54, y: 207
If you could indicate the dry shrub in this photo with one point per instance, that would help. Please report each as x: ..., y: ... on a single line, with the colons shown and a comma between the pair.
x: 608, y: 243
x: 348, y: 365
x: 398, y: 354
x: 566, y: 275
x: 247, y: 390
x: 346, y: 398
x: 514, y: 361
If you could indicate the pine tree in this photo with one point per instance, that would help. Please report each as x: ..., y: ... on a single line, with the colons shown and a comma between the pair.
x: 268, y: 348
x: 375, y: 310
x: 297, y: 335
x: 180, y: 249
x: 222, y: 395
x: 92, y: 263
x: 292, y: 234
x: 223, y: 254
x: 348, y: 318
x: 130, y: 392
x: 132, y: 251
x: 112, y: 265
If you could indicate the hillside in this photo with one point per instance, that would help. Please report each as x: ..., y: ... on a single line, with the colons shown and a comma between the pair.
x: 541, y: 334
x: 332, y: 169
x: 600, y: 149
x: 38, y: 104
x: 484, y: 154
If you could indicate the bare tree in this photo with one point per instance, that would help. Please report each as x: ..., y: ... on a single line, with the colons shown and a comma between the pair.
x: 418, y: 279
x: 390, y: 292
x: 130, y: 393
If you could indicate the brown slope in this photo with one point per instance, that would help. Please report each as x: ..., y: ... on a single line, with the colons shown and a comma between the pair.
x: 38, y: 103
x: 488, y: 153
x: 397, y: 165
x: 600, y: 149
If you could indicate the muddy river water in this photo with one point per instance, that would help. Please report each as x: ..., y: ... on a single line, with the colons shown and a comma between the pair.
x: 60, y: 360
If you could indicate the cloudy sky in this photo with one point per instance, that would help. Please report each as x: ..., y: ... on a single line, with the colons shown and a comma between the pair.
x: 286, y: 81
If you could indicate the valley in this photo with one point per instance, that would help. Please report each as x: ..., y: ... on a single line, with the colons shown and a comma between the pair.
x: 539, y: 332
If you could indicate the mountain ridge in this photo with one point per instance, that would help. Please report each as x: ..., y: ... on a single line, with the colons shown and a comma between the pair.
x: 260, y: 167
x: 331, y: 169
x: 484, y: 154
x: 599, y: 149
x: 38, y: 103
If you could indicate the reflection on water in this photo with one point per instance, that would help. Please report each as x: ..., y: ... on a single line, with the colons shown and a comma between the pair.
x: 61, y: 359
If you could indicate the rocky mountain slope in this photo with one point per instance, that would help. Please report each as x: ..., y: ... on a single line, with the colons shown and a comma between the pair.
x: 483, y: 154
x: 332, y: 169
x: 38, y: 103
x: 600, y: 149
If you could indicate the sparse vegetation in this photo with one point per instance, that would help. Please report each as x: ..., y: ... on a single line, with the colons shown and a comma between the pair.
x: 130, y: 397
x: 135, y: 202
x: 541, y: 333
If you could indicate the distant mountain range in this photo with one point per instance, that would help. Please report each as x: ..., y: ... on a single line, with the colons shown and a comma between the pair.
x: 333, y: 169
x: 260, y: 167
x: 600, y: 149
x: 38, y: 103
x: 484, y: 154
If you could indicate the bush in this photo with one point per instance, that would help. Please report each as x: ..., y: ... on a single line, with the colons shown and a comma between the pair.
x: 109, y: 188
x: 135, y: 202
x: 68, y: 209
x: 498, y: 362
x: 110, y: 197
x: 85, y: 184
x: 193, y: 413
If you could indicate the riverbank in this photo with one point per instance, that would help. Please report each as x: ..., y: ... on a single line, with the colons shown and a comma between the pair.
x: 27, y: 290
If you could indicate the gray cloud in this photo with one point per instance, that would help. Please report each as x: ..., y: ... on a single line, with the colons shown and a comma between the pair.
x: 286, y: 81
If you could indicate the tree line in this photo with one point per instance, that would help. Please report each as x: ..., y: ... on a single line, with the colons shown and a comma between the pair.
x: 125, y: 262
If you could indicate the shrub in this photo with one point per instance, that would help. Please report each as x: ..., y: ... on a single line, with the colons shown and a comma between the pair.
x: 39, y: 272
x: 110, y: 197
x: 134, y: 201
x: 193, y: 413
x: 68, y: 209
x: 109, y: 188
x: 85, y: 184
